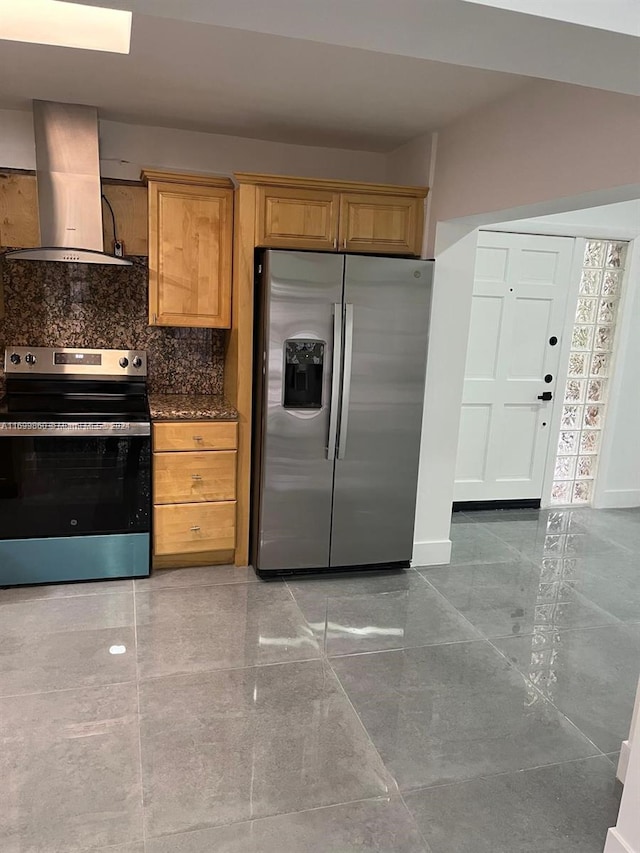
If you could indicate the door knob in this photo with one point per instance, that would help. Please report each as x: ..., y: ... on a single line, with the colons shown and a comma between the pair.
x: 546, y: 396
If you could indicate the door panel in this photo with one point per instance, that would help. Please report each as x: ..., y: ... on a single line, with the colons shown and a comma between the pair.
x: 482, y: 352
x: 474, y: 443
x: 294, y: 524
x: 517, y: 449
x: 376, y: 472
x: 519, y: 302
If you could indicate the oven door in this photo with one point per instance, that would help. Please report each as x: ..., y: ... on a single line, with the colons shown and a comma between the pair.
x: 89, y: 490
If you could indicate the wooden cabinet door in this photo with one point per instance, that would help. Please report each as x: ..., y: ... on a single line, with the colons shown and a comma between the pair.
x: 292, y: 218
x: 190, y: 248
x: 382, y: 224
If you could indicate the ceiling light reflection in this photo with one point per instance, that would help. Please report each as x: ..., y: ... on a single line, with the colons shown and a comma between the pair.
x: 56, y: 22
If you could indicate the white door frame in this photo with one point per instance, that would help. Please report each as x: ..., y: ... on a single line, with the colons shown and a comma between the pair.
x: 563, y: 367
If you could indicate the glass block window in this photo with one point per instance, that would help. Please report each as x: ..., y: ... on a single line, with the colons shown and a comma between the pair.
x: 585, y: 394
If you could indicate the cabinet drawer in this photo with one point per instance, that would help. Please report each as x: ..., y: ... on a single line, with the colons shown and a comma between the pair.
x: 190, y: 528
x: 195, y: 435
x: 192, y: 477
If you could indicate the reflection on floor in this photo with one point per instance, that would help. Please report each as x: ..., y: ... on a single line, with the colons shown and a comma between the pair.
x: 475, y: 708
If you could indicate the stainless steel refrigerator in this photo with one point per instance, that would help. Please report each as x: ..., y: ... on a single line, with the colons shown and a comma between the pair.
x: 340, y: 363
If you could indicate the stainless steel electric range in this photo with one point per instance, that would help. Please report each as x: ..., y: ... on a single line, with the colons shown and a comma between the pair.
x: 75, y: 465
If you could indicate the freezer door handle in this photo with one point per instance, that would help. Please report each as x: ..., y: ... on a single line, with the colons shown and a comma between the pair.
x: 346, y: 381
x: 335, y: 381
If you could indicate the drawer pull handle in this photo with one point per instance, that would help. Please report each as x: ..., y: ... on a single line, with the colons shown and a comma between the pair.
x: 196, y: 476
x: 197, y: 438
x: 195, y: 528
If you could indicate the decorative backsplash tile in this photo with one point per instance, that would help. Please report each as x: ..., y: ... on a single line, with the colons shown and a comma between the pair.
x: 86, y: 305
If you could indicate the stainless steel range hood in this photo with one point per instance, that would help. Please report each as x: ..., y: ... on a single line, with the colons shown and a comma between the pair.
x: 69, y: 190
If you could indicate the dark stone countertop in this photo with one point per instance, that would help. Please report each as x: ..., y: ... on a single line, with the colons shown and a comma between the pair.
x: 191, y: 407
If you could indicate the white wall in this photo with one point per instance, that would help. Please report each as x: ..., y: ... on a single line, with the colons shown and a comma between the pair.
x: 409, y: 164
x: 544, y: 143
x: 449, y: 331
x: 17, y: 149
x: 126, y: 148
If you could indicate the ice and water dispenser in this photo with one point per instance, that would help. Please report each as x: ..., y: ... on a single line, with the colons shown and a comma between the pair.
x: 303, y: 370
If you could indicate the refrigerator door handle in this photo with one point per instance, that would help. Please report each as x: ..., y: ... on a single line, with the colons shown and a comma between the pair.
x: 335, y: 381
x: 346, y: 381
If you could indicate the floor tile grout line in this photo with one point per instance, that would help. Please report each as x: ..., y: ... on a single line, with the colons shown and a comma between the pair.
x: 488, y: 776
x: 461, y: 614
x: 75, y: 688
x: 135, y: 636
x: 197, y: 672
x: 322, y: 646
x: 172, y: 587
x: 545, y: 698
x: 368, y: 652
x: 59, y: 597
x: 421, y: 834
x: 378, y: 798
x: 364, y: 728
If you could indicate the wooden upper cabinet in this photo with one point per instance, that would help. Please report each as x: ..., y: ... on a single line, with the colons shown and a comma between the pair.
x: 298, y: 218
x: 190, y: 250
x: 338, y: 216
x: 383, y: 224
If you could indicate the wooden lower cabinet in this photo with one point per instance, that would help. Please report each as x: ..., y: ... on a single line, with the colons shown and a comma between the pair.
x: 194, y: 493
x: 191, y: 528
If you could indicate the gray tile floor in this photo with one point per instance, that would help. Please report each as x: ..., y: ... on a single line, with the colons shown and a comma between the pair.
x: 473, y: 708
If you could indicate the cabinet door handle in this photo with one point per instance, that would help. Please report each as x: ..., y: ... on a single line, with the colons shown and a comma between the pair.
x: 197, y: 438
x: 196, y: 476
x: 344, y: 244
x: 195, y: 528
x: 335, y: 244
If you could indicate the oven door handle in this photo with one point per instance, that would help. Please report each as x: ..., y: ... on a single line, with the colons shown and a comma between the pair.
x: 116, y: 429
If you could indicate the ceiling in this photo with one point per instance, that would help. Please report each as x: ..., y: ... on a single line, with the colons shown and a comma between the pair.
x: 331, y: 76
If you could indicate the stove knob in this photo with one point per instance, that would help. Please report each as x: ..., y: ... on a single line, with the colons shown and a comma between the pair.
x: 137, y: 361
x: 30, y: 358
x: 124, y: 362
x: 14, y: 358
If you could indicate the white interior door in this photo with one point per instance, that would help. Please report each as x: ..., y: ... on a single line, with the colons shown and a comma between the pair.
x: 519, y: 303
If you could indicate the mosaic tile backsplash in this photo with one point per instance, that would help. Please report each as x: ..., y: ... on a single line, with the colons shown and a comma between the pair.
x: 86, y: 305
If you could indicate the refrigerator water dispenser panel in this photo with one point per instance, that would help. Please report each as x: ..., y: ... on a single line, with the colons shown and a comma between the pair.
x: 303, y: 372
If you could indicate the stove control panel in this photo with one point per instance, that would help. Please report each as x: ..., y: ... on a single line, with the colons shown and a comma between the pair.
x: 58, y: 361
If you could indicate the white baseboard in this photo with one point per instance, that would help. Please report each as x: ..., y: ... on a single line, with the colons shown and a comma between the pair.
x: 618, y: 498
x: 623, y: 761
x: 616, y: 844
x: 436, y: 553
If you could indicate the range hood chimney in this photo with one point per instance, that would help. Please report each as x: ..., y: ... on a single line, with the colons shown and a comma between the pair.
x: 69, y: 190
